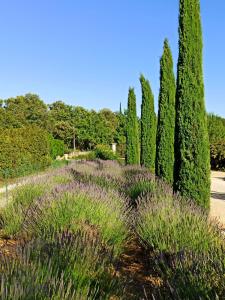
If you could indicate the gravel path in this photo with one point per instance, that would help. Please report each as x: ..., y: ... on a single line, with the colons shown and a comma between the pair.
x: 218, y: 196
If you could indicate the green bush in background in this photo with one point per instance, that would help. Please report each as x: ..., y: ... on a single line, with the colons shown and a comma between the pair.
x: 104, y: 152
x: 23, y: 150
x: 217, y: 151
x: 57, y: 147
x: 216, y: 128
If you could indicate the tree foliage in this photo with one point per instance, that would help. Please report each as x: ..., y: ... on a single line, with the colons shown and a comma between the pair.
x: 74, y: 125
x: 57, y: 147
x: 216, y: 128
x: 132, y: 135
x: 217, y: 152
x: 166, y: 117
x: 192, y: 158
x: 23, y: 111
x: 148, y: 126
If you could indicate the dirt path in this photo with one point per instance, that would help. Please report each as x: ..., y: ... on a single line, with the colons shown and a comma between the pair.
x: 136, y: 271
x: 218, y: 196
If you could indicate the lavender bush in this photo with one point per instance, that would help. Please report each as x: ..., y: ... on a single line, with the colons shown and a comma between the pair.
x: 70, y: 227
x: 72, y: 232
x: 188, y: 248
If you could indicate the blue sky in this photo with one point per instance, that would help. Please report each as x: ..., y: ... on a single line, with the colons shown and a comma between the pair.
x: 88, y: 52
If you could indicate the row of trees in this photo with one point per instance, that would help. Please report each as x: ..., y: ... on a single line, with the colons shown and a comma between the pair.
x: 75, y: 126
x: 103, y: 127
x: 178, y: 148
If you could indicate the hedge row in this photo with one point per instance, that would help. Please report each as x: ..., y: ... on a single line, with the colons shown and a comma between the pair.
x: 23, y: 150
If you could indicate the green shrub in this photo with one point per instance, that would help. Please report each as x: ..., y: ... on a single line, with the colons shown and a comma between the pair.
x: 170, y: 225
x: 90, y: 155
x: 76, y: 232
x: 121, y: 150
x: 79, y: 211
x: 139, y: 188
x: 188, y: 250
x: 57, y: 147
x: 104, y: 152
x: 217, y: 151
x: 66, y: 267
x: 59, y: 163
x: 23, y: 150
x: 194, y: 275
x: 216, y: 128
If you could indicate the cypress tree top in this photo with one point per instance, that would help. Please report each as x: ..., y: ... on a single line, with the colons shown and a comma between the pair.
x: 132, y: 137
x: 166, y: 117
x: 148, y: 126
x: 192, y: 159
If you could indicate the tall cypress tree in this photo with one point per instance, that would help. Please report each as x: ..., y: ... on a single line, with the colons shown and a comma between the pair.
x: 192, y: 159
x: 120, y: 111
x: 148, y: 126
x: 166, y: 117
x: 132, y: 136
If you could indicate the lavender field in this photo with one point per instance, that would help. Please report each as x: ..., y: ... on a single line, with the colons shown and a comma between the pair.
x: 99, y: 230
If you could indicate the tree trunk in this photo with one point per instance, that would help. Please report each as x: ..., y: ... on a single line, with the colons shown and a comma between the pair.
x: 74, y: 142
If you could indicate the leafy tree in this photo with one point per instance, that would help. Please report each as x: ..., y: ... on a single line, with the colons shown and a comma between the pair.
x: 75, y: 126
x: 166, y: 117
x: 62, y: 123
x: 60, y: 111
x: 192, y: 165
x: 111, y: 122
x: 25, y: 110
x: 81, y: 119
x: 64, y: 131
x: 56, y: 147
x: 98, y: 130
x: 132, y: 135
x: 148, y: 126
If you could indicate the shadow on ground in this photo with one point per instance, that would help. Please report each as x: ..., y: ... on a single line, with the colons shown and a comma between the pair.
x: 220, y: 178
x: 216, y: 195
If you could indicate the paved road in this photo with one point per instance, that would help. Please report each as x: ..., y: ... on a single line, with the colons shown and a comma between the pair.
x: 218, y: 196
